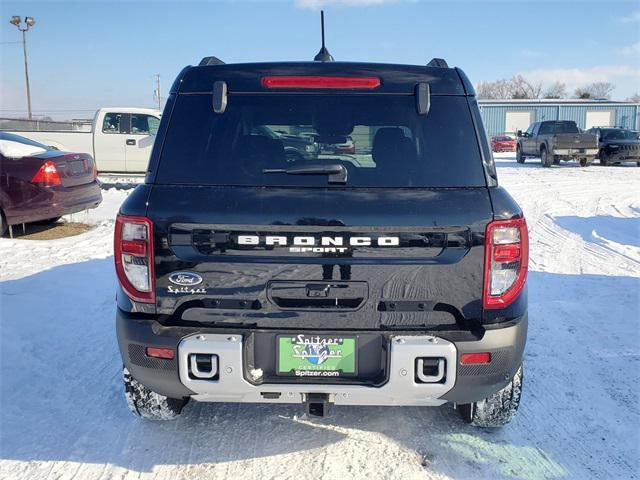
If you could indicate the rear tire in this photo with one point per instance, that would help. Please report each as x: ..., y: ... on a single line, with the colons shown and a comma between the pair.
x: 604, y: 158
x: 498, y: 409
x: 584, y: 162
x: 545, y: 158
x: 148, y: 404
x: 519, y: 157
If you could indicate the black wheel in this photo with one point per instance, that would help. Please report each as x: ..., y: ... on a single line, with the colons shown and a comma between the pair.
x: 496, y: 410
x: 604, y: 158
x: 149, y: 404
x: 545, y: 158
x: 519, y: 157
x: 584, y: 162
x: 556, y: 159
x: 637, y: 164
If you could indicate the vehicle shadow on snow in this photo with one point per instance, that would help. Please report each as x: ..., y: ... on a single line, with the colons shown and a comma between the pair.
x: 511, y: 162
x: 533, y: 163
x: 61, y: 397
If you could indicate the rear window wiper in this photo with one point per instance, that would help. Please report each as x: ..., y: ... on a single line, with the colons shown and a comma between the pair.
x: 337, y: 173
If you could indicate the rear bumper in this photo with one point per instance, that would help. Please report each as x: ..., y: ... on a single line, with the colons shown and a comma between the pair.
x: 55, y: 202
x: 575, y: 152
x: 460, y: 383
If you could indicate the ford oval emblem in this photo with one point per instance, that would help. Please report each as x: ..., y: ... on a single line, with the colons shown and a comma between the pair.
x: 185, y: 278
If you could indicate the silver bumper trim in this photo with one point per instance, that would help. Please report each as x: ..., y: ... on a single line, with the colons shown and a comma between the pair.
x: 400, y: 390
x: 575, y: 151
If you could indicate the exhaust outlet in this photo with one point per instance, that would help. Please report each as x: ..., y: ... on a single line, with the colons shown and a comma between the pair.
x: 203, y: 365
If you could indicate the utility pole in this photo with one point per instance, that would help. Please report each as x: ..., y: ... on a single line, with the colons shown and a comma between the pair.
x: 28, y: 23
x: 156, y: 93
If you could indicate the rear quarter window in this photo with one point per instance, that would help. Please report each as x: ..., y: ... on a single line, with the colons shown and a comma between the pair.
x: 380, y: 139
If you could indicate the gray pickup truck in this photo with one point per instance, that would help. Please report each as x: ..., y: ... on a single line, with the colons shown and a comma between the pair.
x: 553, y: 141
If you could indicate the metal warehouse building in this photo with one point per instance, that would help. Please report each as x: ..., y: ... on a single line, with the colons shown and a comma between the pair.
x: 509, y: 116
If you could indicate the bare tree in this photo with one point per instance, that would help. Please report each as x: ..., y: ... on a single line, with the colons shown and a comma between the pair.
x: 486, y: 90
x: 602, y: 89
x: 523, y: 88
x: 515, y: 87
x: 634, y: 98
x: 498, y: 89
x: 555, y: 90
x: 595, y: 90
x: 581, y: 92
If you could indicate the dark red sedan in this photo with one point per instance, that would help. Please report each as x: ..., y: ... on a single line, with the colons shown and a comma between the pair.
x: 39, y: 183
x: 503, y: 143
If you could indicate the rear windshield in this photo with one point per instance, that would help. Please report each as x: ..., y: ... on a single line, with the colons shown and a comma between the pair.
x: 10, y: 137
x: 558, y: 127
x: 379, y: 139
x: 619, y: 135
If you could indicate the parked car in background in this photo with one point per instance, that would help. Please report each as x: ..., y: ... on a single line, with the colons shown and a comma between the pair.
x: 616, y: 145
x: 120, y: 139
x: 503, y: 143
x: 345, y: 146
x: 296, y: 147
x: 40, y: 183
x: 554, y: 141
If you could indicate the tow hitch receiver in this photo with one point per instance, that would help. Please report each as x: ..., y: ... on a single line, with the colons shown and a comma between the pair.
x: 317, y: 404
x: 430, y: 370
x: 203, y: 365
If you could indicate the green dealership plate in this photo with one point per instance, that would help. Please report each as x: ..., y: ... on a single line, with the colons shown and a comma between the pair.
x: 311, y: 355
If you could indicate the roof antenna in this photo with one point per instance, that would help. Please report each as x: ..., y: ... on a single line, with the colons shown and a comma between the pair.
x: 323, y: 55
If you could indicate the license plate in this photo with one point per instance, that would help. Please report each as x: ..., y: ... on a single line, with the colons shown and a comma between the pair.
x: 309, y: 355
x: 76, y: 168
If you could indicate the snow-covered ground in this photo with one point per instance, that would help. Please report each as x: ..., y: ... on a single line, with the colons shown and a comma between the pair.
x: 63, y: 415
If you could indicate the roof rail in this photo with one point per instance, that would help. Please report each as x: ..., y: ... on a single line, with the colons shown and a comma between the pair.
x: 210, y: 61
x: 438, y: 62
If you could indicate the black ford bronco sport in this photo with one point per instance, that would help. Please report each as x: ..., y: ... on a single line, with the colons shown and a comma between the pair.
x: 388, y: 271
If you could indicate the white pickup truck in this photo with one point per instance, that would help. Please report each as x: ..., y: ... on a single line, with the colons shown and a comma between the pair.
x: 120, y: 139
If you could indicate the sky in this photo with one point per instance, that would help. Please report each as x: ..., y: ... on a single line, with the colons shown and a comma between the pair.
x: 87, y: 54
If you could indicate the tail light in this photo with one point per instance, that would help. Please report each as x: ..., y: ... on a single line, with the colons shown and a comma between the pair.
x: 133, y: 254
x: 47, y: 174
x: 506, y: 261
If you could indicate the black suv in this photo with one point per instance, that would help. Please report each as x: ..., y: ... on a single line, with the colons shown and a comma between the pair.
x: 616, y: 145
x: 394, y: 275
